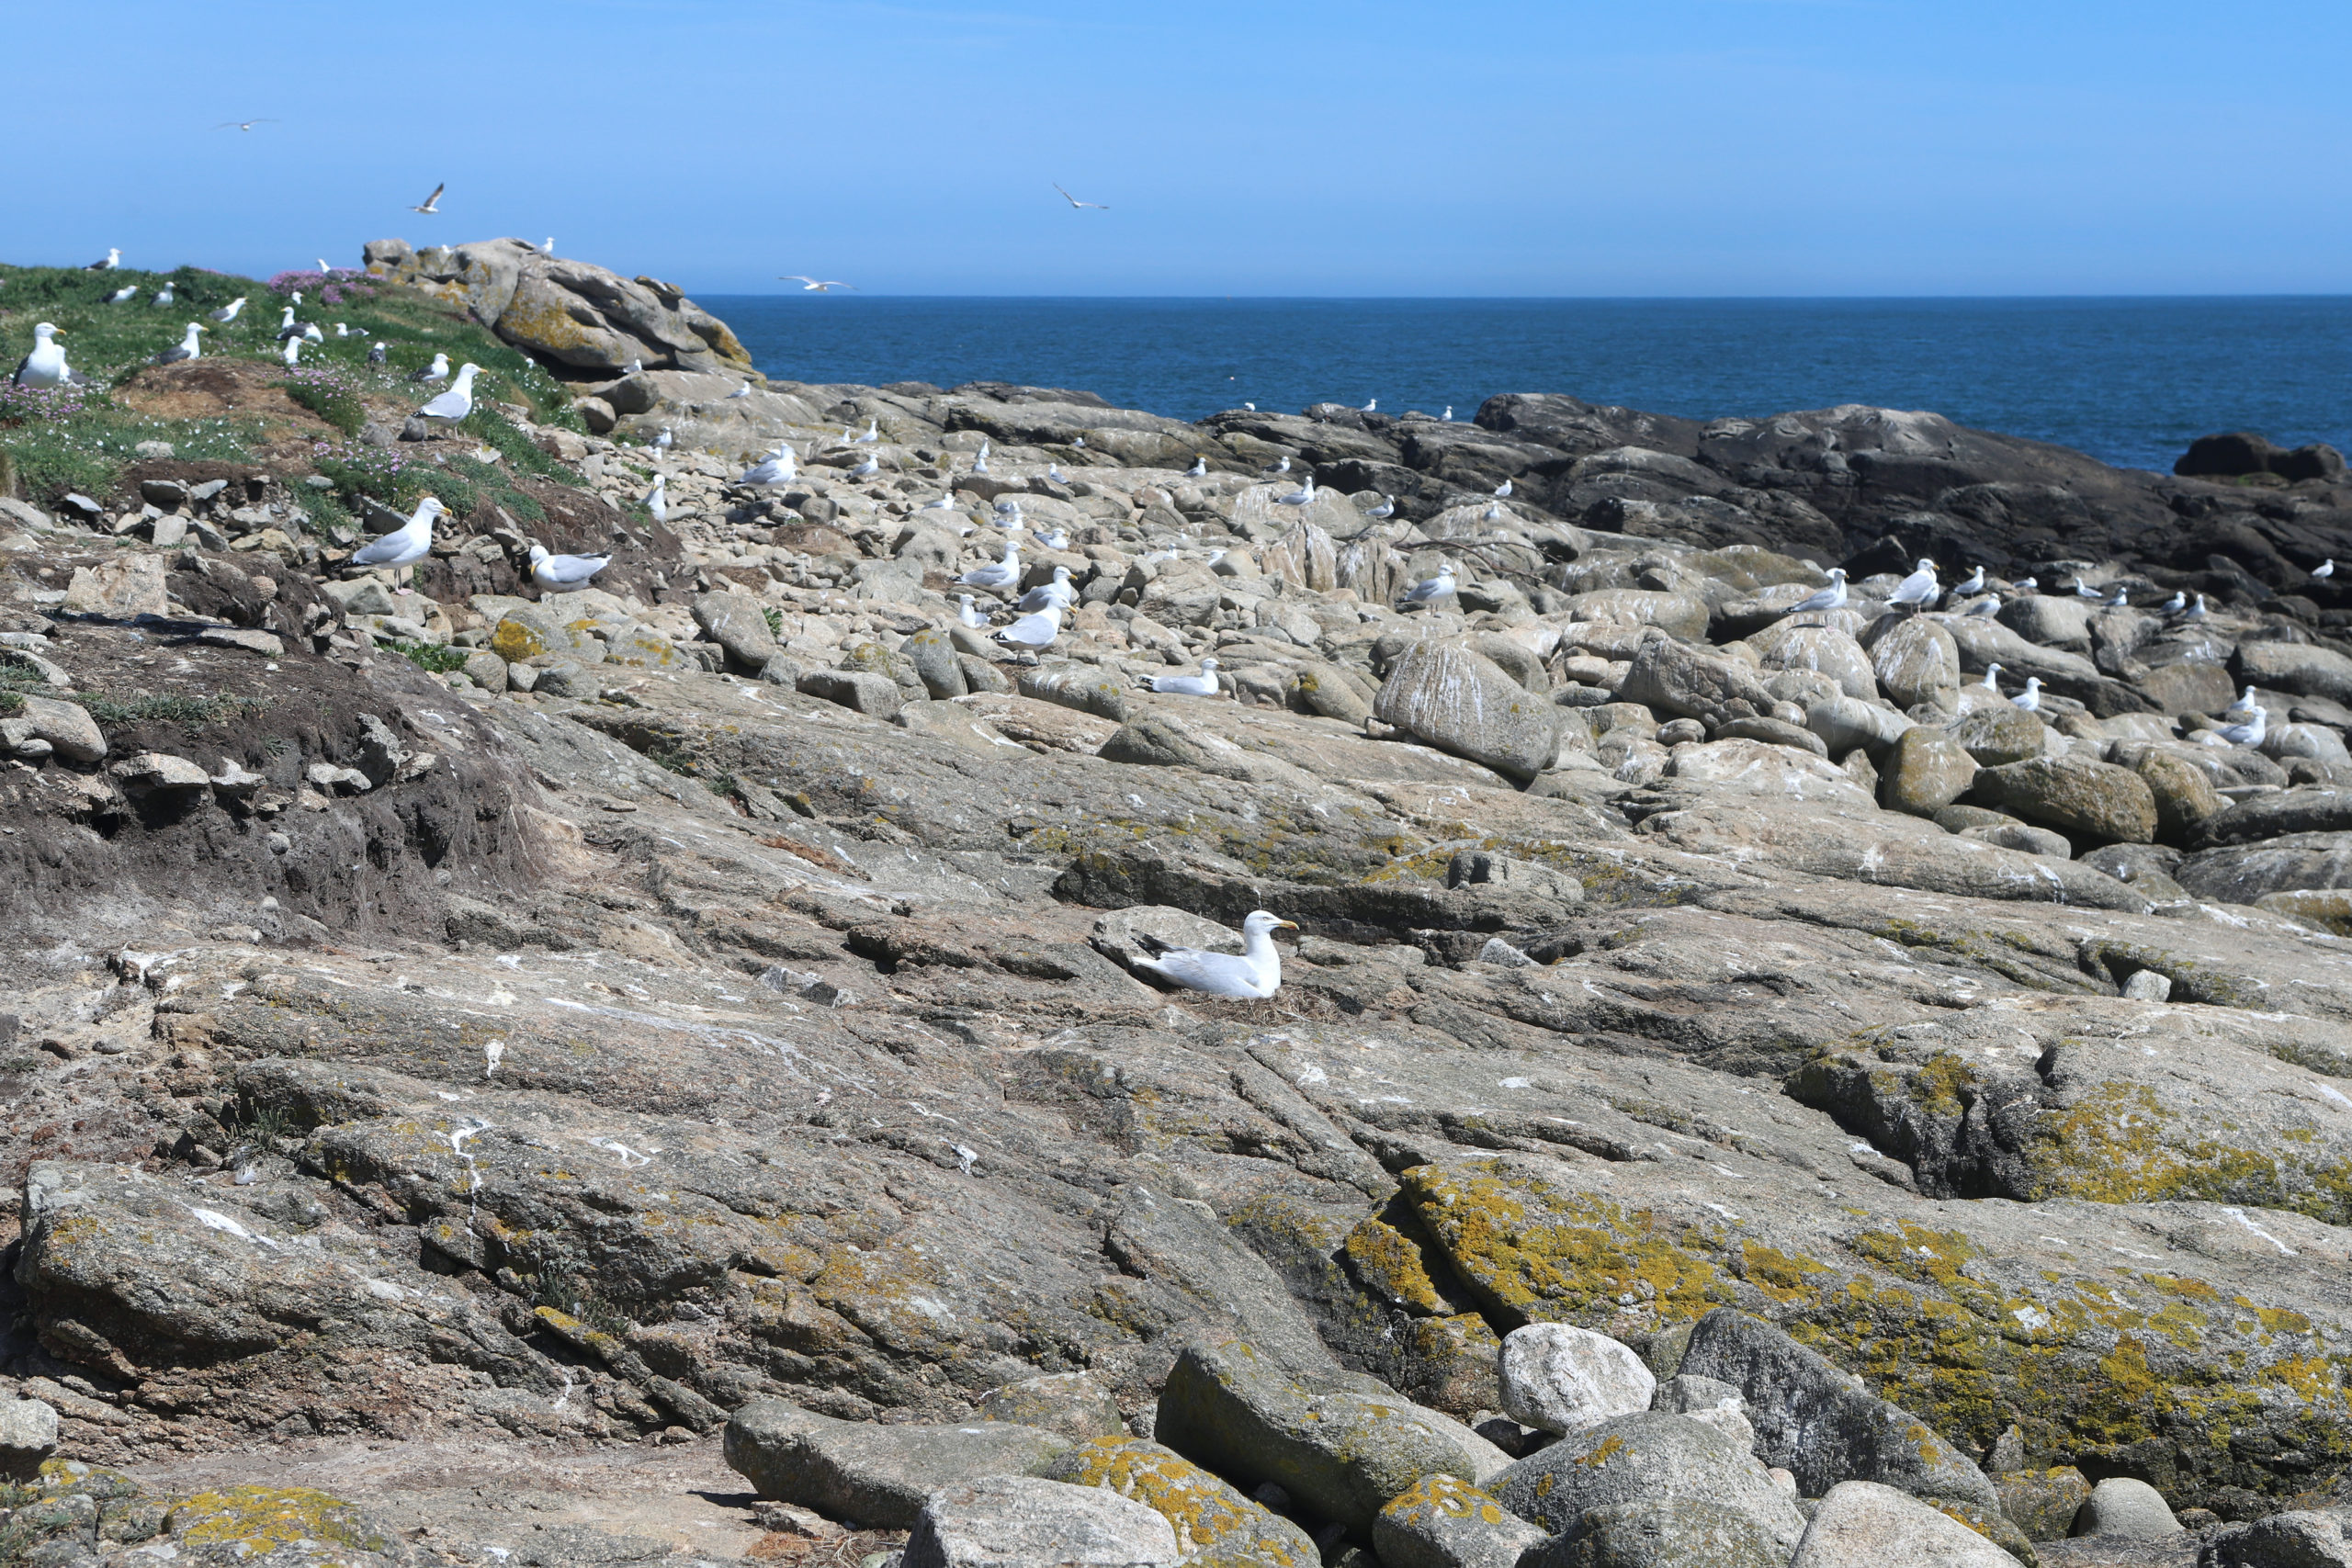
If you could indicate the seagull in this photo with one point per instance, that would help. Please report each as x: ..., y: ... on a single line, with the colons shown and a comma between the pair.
x: 980, y: 458
x: 2083, y: 590
x: 1058, y: 593
x: 635, y: 366
x: 2030, y: 698
x: 114, y: 260
x: 656, y: 500
x: 565, y: 574
x: 1055, y: 473
x: 1992, y: 682
x: 292, y: 353
x: 1075, y: 202
x: 2121, y: 600
x: 942, y: 502
x: 1986, y: 607
x: 1010, y: 508
x: 1920, y: 588
x: 1387, y: 507
x: 342, y: 331
x: 2196, y: 611
x: 436, y: 371
x: 2026, y: 585
x: 163, y: 294
x: 1371, y: 405
x: 777, y: 467
x: 1830, y: 598
x: 873, y: 434
x: 1252, y: 407
x: 1034, y: 631
x: 432, y: 204
x: 997, y: 576
x: 187, y: 347
x: 1201, y: 685
x: 742, y: 392
x: 1975, y: 584
x: 967, y: 615
x: 119, y: 294
x: 1256, y: 972
x: 812, y: 286
x: 1503, y: 489
x: 324, y: 267
x: 412, y: 541
x: 244, y: 124
x: 1055, y: 540
x: 285, y: 327
x: 2325, y: 567
x: 1432, y: 588
x: 310, y: 332
x: 1303, y: 496
x: 2244, y: 708
x: 1078, y: 441
x: 548, y: 248
x: 664, y: 440
x: 1281, y: 465
x: 866, y: 468
x: 1448, y: 414
x: 2174, y: 605
x: 45, y: 366
x: 379, y: 352
x: 459, y: 400
x: 228, y: 312
x: 1493, y: 512
x: 2251, y: 732
x: 1199, y: 469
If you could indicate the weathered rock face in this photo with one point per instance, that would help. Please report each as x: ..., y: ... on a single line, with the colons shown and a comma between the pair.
x: 714, y: 1007
x: 572, y: 314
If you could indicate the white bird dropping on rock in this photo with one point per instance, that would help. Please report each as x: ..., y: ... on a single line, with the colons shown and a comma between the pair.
x: 1256, y: 972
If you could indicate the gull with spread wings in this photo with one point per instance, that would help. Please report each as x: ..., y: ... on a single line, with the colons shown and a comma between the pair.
x: 432, y: 204
x: 809, y: 285
x: 1075, y: 202
x: 242, y: 124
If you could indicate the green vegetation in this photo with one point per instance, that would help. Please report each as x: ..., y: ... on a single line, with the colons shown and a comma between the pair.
x: 428, y: 657
x: 83, y: 438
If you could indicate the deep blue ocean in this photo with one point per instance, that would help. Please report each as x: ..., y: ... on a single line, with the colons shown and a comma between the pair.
x: 2129, y: 380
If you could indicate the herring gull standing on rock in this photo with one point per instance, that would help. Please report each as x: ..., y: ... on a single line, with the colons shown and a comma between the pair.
x: 2030, y: 698
x: 1303, y: 496
x: 1058, y: 593
x: 1988, y: 606
x: 1432, y: 588
x: 1034, y: 631
x: 656, y: 500
x: 998, y: 576
x: 1255, y: 971
x: 1918, y: 589
x: 1830, y: 598
x: 409, y: 543
x: 777, y: 467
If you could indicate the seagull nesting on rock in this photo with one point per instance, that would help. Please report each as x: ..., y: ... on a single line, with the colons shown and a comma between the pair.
x: 1201, y: 685
x: 777, y: 467
x: 565, y: 574
x: 969, y: 616
x: 2251, y: 732
x: 2325, y: 568
x: 1199, y: 469
x: 1432, y: 588
x: 1256, y: 973
x: 1503, y: 490
x: 656, y: 500
x: 436, y: 371
x: 1387, y: 507
x: 1303, y: 496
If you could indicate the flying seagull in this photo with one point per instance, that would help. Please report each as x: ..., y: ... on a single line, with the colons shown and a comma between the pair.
x: 1830, y: 598
x: 186, y: 348
x: 1256, y: 972
x: 565, y: 574
x: 1201, y: 685
x: 436, y: 371
x: 45, y: 366
x: 1920, y: 588
x: 242, y: 124
x: 1075, y: 202
x: 432, y: 204
x: 459, y: 400
x: 228, y: 312
x: 814, y: 286
x: 114, y: 260
x: 405, y: 545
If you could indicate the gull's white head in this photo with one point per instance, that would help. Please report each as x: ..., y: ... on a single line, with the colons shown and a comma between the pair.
x: 44, y: 332
x: 1262, y: 924
x: 538, y: 553
x: 1925, y: 565
x: 1208, y: 665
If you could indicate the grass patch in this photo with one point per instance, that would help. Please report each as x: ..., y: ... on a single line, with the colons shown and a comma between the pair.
x: 431, y: 657
x: 561, y: 1289
x: 191, y: 712
x: 330, y: 394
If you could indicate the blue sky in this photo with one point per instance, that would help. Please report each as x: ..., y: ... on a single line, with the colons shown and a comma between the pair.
x: 1663, y: 147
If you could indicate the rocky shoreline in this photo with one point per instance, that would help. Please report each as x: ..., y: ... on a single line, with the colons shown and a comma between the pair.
x: 483, y: 1062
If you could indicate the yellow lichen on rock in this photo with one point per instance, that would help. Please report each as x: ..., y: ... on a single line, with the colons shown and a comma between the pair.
x: 262, y: 1518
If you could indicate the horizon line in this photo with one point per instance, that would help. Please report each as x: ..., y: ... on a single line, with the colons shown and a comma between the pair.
x: 1564, y: 298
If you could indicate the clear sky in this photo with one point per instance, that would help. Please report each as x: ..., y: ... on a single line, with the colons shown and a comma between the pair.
x: 1278, y: 147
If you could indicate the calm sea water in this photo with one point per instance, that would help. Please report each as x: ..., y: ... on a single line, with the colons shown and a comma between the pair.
x: 2132, y: 381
